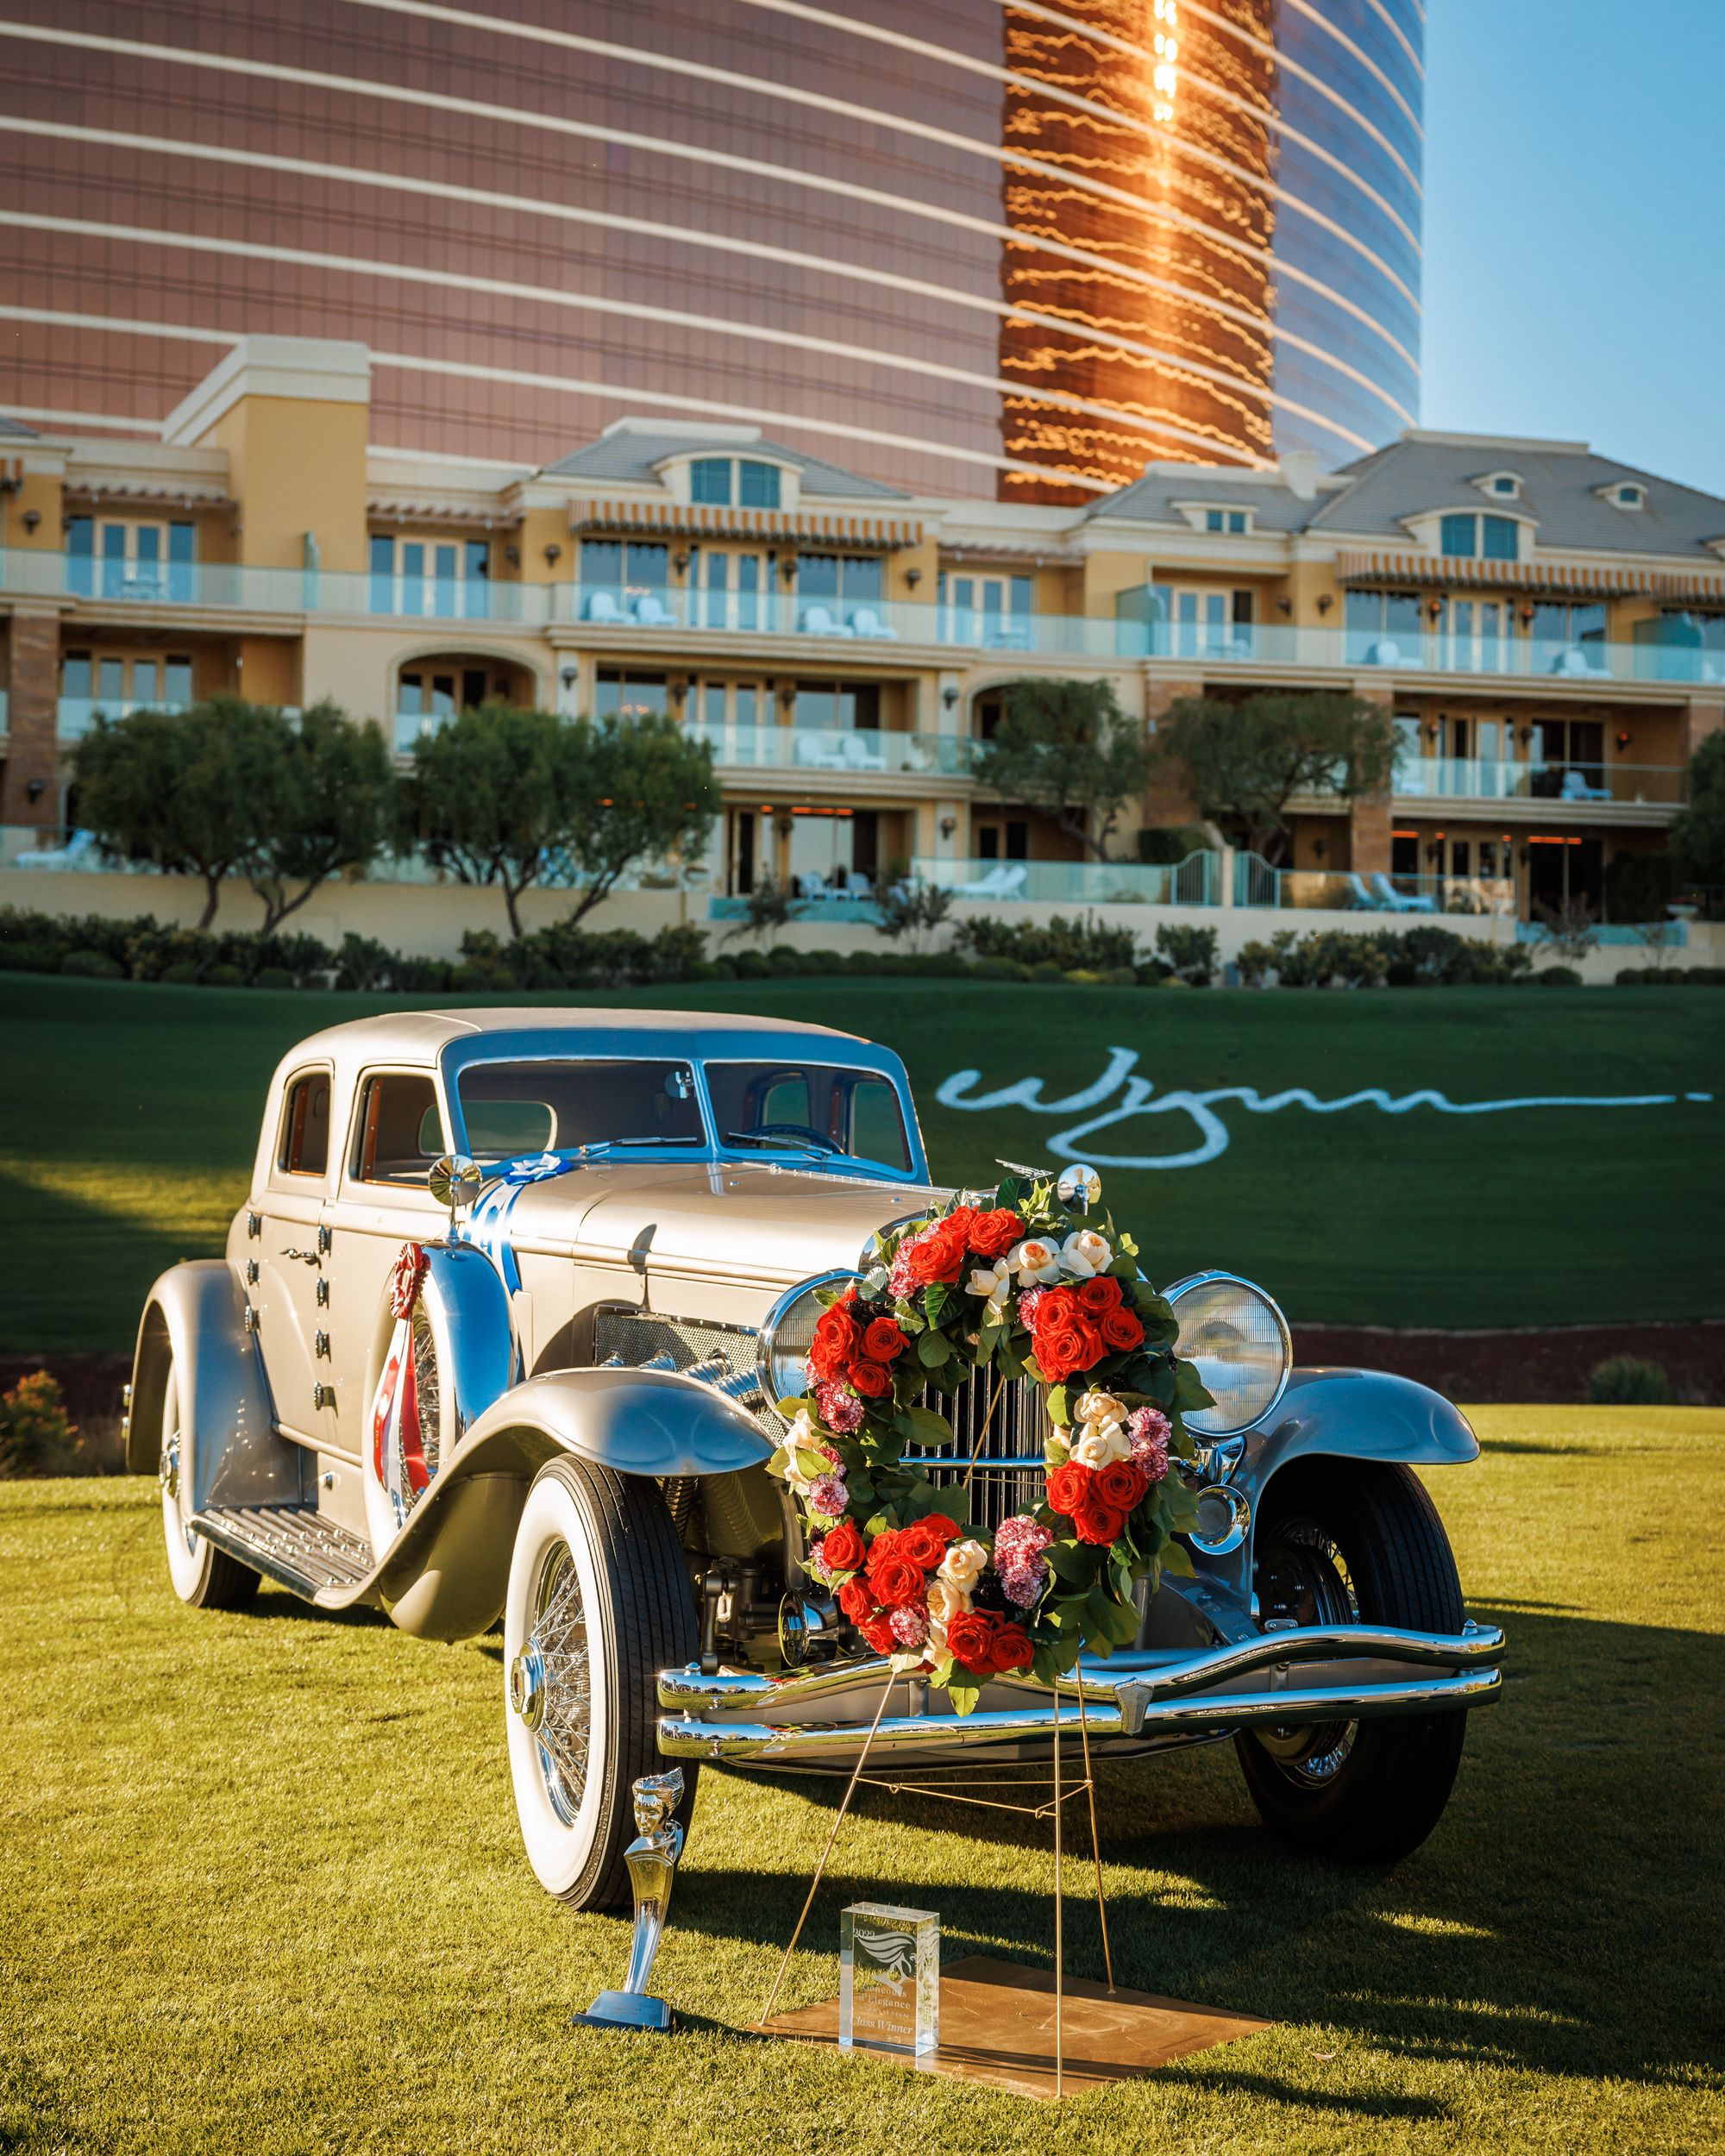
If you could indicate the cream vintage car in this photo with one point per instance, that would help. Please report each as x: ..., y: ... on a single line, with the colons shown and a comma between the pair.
x: 496, y: 1338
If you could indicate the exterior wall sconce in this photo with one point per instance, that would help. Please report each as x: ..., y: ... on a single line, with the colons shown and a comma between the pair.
x: 1320, y: 847
x: 913, y: 577
x: 32, y: 518
x: 949, y: 696
x: 512, y: 555
x: 1326, y: 600
x: 949, y: 824
x: 787, y: 568
x: 553, y: 552
x: 34, y: 790
x: 1528, y: 615
x: 1284, y: 605
x: 1526, y: 734
x: 1622, y: 742
x: 1435, y: 608
x: 679, y: 559
x: 788, y: 696
x: 569, y: 677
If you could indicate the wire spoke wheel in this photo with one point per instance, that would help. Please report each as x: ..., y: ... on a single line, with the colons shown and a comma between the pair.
x: 559, y: 1638
x: 1303, y: 1578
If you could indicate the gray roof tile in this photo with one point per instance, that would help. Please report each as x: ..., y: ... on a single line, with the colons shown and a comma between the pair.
x: 628, y: 456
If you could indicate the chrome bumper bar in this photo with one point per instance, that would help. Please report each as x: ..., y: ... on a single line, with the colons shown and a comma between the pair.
x: 1351, y: 1672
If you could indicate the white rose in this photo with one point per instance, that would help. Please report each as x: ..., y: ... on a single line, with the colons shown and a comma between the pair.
x: 1036, y: 1263
x: 1084, y: 1253
x: 1100, y: 1445
x: 945, y: 1601
x: 990, y: 1281
x: 801, y: 1437
x: 964, y: 1565
x: 1101, y: 1407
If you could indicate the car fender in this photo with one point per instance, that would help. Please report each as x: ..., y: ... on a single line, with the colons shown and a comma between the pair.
x: 195, y: 1316
x: 445, y: 1574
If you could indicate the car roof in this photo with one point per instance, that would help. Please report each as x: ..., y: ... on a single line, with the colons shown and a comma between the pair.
x: 422, y: 1036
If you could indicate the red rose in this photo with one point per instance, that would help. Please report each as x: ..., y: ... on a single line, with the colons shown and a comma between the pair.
x: 971, y: 1637
x: 1122, y: 1484
x: 1011, y: 1649
x: 885, y: 1547
x: 835, y: 1338
x: 1099, y: 1522
x: 882, y: 1340
x: 1063, y: 1343
x: 897, y: 1582
x: 1121, y: 1330
x: 1069, y: 1485
x: 879, y: 1634
x: 922, y: 1543
x: 856, y: 1600
x: 1097, y: 1297
x: 939, y: 1255
x: 842, y: 1550
x: 993, y: 1234
x: 873, y: 1379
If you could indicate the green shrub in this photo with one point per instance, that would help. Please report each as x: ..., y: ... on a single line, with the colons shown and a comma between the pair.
x: 1120, y: 976
x: 782, y: 959
x: 1045, y: 969
x: 994, y: 969
x: 1066, y: 945
x: 225, y: 976
x: 92, y: 965
x: 423, y: 976
x: 181, y: 974
x: 1190, y: 953
x: 1630, y: 1381
x: 751, y: 965
x: 1166, y: 845
x: 30, y: 957
x: 1255, y: 961
x: 1082, y: 977
x: 1671, y: 977
x: 363, y: 962
x: 1558, y: 977
x: 37, y: 1436
x: 273, y: 977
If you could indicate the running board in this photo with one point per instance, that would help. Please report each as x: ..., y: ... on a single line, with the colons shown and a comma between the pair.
x: 292, y: 1545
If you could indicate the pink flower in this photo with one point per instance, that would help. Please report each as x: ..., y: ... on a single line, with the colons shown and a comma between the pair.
x: 828, y: 1496
x: 1022, y: 1583
x: 909, y: 1624
x: 839, y: 1410
x: 1148, y: 1428
x: 1019, y: 1541
x: 900, y: 1280
x: 1029, y: 1303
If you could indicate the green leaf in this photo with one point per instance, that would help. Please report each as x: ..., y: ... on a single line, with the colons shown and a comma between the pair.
x: 1188, y: 1387
x: 1073, y: 1562
x: 810, y: 1466
x: 1059, y: 1406
x: 1007, y: 1194
x: 933, y: 1349
x: 1117, y: 1621
x: 964, y: 1690
x: 1177, y: 1559
x: 924, y: 1429
x: 935, y: 1300
x: 953, y: 1501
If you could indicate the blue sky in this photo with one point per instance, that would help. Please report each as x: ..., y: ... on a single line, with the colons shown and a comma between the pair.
x: 1573, y: 187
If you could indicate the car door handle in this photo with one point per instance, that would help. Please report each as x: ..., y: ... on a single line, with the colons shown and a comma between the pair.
x: 305, y: 1257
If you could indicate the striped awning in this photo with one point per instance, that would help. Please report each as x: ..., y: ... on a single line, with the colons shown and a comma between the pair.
x: 1574, y: 580
x: 427, y: 511
x: 170, y: 492
x: 709, y: 520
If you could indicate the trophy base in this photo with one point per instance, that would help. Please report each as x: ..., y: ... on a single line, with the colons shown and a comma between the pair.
x: 625, y: 2010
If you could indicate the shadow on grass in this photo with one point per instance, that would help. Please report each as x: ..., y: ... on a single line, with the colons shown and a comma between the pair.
x: 1561, y: 1920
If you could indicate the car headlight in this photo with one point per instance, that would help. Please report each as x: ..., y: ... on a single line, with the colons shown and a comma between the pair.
x: 1240, y: 1341
x: 785, y: 1338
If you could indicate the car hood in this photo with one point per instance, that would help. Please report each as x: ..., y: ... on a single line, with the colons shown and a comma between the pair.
x: 724, y: 1219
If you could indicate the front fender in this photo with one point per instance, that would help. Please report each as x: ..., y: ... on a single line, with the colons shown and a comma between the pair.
x: 446, y: 1574
x: 195, y: 1316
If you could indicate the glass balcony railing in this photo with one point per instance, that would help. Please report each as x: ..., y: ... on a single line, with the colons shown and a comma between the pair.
x: 1346, y: 891
x: 1194, y: 881
x: 861, y: 752
x: 828, y: 622
x: 74, y: 715
x: 1488, y: 779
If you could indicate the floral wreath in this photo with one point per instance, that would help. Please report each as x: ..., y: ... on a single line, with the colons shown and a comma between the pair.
x: 1023, y: 1285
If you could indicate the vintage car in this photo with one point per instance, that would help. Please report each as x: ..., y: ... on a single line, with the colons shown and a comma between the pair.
x: 496, y: 1341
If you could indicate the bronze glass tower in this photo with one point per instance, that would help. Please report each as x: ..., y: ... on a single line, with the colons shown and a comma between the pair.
x: 974, y: 249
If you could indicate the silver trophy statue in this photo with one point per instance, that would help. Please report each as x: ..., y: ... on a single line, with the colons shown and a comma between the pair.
x: 652, y: 1861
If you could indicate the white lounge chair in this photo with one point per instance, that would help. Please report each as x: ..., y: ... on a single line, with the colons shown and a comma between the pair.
x: 865, y: 622
x: 1002, y: 882
x: 817, y: 622
x: 1394, y: 901
x: 80, y: 851
x: 1357, y: 898
x: 602, y: 606
x: 651, y: 610
x: 1576, y: 789
x: 860, y: 753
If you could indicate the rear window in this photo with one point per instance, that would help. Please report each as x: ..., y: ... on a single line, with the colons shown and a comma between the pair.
x: 509, y: 1109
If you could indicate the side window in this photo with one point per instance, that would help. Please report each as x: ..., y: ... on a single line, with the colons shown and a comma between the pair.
x: 877, y: 1128
x: 398, y: 1133
x: 305, y: 1148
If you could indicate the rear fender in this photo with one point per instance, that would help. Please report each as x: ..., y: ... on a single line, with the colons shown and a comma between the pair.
x: 446, y: 1574
x: 195, y: 1316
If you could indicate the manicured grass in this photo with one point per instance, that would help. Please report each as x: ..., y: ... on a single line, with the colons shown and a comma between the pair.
x: 264, y: 1891
x: 133, y: 1114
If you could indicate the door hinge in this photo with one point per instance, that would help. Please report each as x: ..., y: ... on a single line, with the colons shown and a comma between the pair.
x: 251, y: 1272
x: 254, y: 1223
x: 324, y: 1395
x: 320, y: 1345
x: 251, y: 1319
x: 323, y: 1294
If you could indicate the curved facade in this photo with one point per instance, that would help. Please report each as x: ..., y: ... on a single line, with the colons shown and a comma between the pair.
x: 967, y: 249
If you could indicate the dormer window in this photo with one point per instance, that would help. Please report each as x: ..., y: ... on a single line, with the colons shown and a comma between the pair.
x: 1492, y: 538
x: 1505, y: 486
x: 1626, y: 494
x: 739, y: 482
x: 1228, y: 520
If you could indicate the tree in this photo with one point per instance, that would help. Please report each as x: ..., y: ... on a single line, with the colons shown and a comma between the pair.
x: 191, y: 791
x: 1697, y: 839
x: 914, y: 910
x: 511, y: 796
x: 765, y: 909
x: 1245, y: 761
x: 334, y: 808
x: 1068, y: 748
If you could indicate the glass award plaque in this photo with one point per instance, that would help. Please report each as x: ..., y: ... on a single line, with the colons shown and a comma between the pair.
x: 888, y: 1979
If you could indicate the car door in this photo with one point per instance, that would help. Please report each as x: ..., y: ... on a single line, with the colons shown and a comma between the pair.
x: 381, y: 1201
x: 292, y: 1292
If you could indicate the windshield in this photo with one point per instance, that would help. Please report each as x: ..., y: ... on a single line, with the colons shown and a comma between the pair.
x: 823, y: 1109
x: 511, y: 1109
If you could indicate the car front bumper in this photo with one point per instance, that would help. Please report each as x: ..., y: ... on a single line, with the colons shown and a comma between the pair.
x: 821, y: 1717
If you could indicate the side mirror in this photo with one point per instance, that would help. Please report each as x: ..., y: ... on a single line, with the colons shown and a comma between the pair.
x: 455, y: 1181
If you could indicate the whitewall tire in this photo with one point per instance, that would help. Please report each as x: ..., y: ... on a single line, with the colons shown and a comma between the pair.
x: 598, y: 1601
x: 203, y: 1576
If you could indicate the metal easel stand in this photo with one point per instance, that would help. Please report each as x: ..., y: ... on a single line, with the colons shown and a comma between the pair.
x: 1052, y: 1806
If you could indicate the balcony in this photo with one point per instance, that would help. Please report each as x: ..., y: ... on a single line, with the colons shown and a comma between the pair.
x: 1344, y: 891
x: 864, y: 752
x: 1483, y: 779
x: 75, y: 716
x: 1194, y: 881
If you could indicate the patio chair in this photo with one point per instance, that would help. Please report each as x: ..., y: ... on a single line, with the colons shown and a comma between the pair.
x: 602, y: 606
x: 817, y: 622
x: 1356, y: 898
x: 80, y: 851
x: 651, y: 610
x: 865, y: 622
x: 860, y: 753
x: 1576, y: 789
x: 1394, y: 901
x: 1002, y: 882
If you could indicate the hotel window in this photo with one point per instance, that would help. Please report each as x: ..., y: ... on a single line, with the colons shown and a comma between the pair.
x: 1568, y: 639
x: 115, y: 684
x: 1225, y: 520
x: 617, y: 695
x: 731, y: 590
x: 853, y: 705
x: 722, y: 482
x: 137, y: 560
x: 1382, y: 627
x: 1201, y: 623
x: 1477, y: 634
x: 1496, y: 538
x: 841, y: 590
x: 625, y: 579
x: 992, y: 610
x: 448, y: 578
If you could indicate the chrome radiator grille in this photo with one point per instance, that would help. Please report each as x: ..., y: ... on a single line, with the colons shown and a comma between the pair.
x: 1011, y: 1424
x: 634, y: 1337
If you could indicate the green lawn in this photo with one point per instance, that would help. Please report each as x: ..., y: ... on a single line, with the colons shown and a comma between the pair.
x: 263, y: 1890
x: 133, y: 1114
